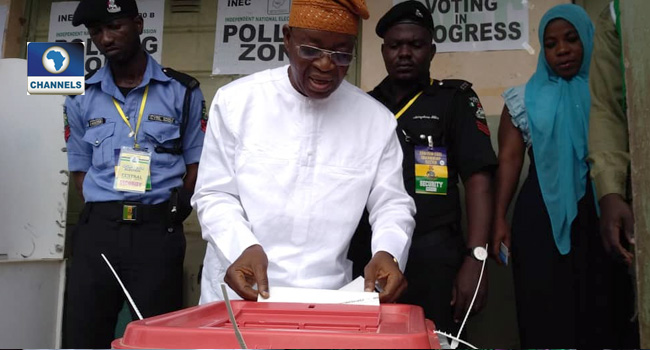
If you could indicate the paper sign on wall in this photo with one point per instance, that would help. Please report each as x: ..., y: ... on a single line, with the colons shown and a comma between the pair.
x: 478, y: 25
x: 249, y: 36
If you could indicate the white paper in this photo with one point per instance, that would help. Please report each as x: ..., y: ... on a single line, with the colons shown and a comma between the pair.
x: 249, y: 36
x: 319, y: 296
x: 358, y: 285
x: 61, y: 29
x: 4, y: 11
x: 478, y: 25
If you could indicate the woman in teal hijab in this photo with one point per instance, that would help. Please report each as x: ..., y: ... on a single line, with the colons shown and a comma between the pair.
x: 560, y: 285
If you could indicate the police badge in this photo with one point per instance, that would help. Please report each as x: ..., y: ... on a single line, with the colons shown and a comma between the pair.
x: 111, y: 7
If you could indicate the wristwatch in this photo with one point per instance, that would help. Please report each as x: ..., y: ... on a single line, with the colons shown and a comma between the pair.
x: 479, y: 253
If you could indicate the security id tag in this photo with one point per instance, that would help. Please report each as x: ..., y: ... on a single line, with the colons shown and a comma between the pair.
x: 132, y: 171
x: 431, y: 173
x: 117, y: 159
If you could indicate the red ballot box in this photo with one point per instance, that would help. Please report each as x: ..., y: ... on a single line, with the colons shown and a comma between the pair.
x: 285, y: 326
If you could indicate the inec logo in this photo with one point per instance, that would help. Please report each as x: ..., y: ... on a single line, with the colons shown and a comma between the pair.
x: 55, y: 68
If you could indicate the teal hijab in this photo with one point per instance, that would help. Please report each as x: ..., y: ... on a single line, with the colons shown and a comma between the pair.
x: 558, y: 112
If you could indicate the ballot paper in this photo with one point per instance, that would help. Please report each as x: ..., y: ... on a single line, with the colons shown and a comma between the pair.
x: 355, y: 286
x: 320, y: 296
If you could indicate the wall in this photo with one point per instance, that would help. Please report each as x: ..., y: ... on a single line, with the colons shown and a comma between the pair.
x: 189, y: 44
x: 14, y: 40
x: 491, y: 72
x: 593, y: 7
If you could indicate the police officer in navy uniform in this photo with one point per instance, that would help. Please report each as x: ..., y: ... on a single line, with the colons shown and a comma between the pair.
x: 444, y: 136
x: 145, y: 123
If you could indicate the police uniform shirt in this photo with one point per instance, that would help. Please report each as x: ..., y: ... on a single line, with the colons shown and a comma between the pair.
x: 451, y: 113
x: 97, y: 132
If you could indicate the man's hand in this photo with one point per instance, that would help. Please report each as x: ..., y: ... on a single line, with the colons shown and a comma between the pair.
x: 78, y: 179
x: 384, y: 269
x: 616, y: 219
x: 464, y: 287
x: 500, y: 234
x: 249, y: 269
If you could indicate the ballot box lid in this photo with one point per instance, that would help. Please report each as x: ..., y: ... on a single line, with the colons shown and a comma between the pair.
x: 284, y: 326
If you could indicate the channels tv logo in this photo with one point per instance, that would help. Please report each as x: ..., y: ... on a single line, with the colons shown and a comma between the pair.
x: 55, y: 68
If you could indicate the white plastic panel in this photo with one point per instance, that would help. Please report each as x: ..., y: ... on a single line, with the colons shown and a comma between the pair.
x: 33, y: 204
x: 33, y: 174
x: 30, y: 304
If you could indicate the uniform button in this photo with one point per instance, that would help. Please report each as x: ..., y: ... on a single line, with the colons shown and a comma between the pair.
x: 423, y: 136
x: 97, y: 142
x: 440, y: 83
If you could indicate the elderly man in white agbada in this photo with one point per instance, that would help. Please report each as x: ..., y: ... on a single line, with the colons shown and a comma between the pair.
x: 291, y: 158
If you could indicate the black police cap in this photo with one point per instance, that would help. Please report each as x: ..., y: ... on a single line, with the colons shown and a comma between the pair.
x: 102, y: 11
x: 405, y: 12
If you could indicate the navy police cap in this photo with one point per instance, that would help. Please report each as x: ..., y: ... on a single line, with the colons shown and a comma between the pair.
x: 102, y: 11
x: 405, y: 12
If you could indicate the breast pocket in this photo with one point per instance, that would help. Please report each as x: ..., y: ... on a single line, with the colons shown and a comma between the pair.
x: 100, y: 138
x: 163, y: 138
x: 427, y: 127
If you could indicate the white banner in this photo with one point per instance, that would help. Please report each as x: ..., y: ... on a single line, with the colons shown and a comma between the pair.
x: 478, y: 25
x: 249, y: 36
x: 61, y: 29
x: 4, y: 11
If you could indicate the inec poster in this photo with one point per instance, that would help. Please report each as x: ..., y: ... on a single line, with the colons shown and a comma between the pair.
x: 61, y: 29
x: 249, y: 35
x: 478, y: 25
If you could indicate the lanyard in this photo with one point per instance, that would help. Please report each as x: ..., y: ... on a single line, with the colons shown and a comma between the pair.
x: 406, y: 107
x: 133, y: 133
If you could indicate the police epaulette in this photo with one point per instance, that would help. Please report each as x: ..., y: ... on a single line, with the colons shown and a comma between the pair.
x: 462, y: 85
x: 185, y: 79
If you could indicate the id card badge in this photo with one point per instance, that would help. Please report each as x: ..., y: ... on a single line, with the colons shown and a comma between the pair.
x: 132, y: 171
x: 431, y: 173
x: 117, y: 159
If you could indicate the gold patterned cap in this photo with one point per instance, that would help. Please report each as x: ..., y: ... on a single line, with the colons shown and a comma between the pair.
x: 339, y: 16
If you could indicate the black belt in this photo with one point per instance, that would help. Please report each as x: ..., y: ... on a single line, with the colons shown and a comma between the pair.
x: 131, y: 212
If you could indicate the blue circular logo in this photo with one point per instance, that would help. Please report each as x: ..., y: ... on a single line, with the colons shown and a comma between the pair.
x: 56, y: 60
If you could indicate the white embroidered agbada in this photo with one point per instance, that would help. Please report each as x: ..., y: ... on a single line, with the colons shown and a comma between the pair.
x: 294, y: 174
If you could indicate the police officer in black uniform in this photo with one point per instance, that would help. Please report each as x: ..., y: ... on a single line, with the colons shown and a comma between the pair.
x: 444, y: 136
x: 134, y: 142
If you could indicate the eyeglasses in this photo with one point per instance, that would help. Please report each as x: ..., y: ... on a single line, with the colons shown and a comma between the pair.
x: 313, y: 53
